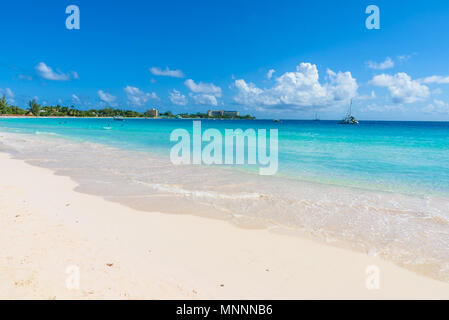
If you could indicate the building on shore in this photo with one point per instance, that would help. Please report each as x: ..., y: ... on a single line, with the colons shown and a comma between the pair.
x: 222, y: 113
x: 152, y: 113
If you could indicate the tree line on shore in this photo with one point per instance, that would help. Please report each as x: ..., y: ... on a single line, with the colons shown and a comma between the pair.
x: 35, y: 109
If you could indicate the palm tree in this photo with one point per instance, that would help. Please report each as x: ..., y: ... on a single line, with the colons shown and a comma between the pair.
x: 35, y: 107
x: 3, y: 105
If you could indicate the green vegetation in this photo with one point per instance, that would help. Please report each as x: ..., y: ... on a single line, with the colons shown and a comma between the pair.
x: 6, y: 108
x: 35, y: 109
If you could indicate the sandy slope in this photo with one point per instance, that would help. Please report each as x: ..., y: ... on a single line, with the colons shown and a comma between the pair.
x: 46, y: 227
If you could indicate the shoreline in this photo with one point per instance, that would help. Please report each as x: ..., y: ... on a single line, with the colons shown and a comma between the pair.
x: 125, y: 253
x: 168, y: 192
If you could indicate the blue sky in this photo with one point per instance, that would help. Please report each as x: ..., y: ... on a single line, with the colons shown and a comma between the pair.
x: 189, y: 56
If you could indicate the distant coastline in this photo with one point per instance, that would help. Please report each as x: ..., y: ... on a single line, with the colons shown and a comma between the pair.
x: 5, y: 116
x: 36, y: 110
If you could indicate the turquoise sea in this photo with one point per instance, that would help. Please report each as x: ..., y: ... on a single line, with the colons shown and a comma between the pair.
x: 410, y: 157
x: 381, y: 187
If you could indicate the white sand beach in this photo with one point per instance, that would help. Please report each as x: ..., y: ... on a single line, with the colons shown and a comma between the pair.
x: 47, y: 228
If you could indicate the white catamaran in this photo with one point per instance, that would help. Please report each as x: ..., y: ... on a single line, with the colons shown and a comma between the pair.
x: 349, y: 119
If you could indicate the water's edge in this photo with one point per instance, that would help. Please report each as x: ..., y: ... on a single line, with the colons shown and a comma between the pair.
x: 321, y: 214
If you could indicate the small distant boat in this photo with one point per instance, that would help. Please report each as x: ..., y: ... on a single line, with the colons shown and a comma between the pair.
x: 349, y: 119
x: 316, y: 117
x: 119, y: 118
x: 277, y: 120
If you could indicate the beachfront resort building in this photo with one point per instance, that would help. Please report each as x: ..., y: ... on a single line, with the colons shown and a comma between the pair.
x: 152, y: 113
x: 222, y: 113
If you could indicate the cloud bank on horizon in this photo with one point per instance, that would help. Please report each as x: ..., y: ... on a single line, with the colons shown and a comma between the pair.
x: 301, y: 89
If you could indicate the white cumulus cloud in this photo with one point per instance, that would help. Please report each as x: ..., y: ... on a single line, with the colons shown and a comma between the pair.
x: 106, y: 97
x: 167, y: 72
x: 387, y: 64
x: 270, y: 73
x: 438, y: 106
x: 75, y: 98
x: 177, y: 98
x: 206, y: 99
x: 201, y: 87
x: 47, y: 73
x: 435, y: 79
x: 298, y: 89
x: 203, y: 93
x: 402, y: 88
x: 138, y: 97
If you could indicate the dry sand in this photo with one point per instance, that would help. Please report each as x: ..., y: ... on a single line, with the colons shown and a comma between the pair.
x: 49, y: 231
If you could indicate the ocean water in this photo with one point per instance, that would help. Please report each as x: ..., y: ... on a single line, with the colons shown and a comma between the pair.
x: 410, y: 157
x: 380, y: 187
